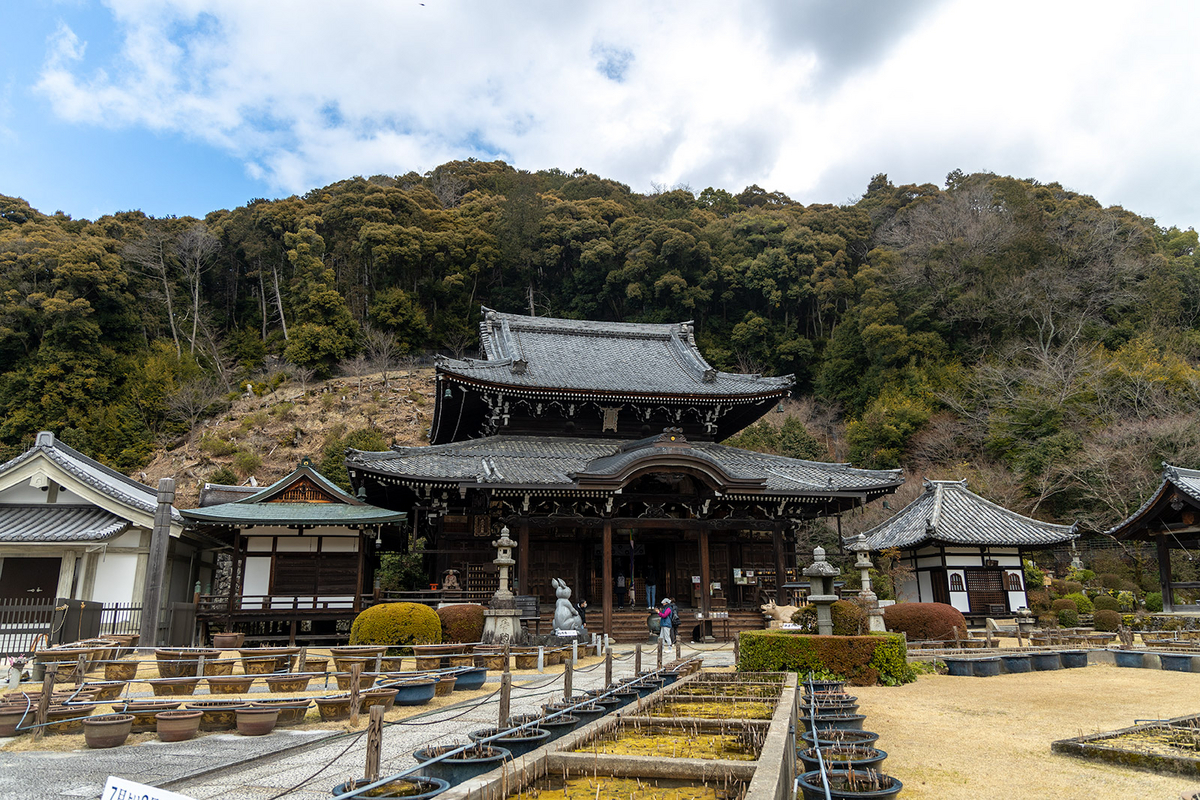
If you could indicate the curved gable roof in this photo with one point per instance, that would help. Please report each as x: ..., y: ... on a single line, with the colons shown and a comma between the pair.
x: 583, y: 355
x: 1178, y: 484
x: 950, y: 513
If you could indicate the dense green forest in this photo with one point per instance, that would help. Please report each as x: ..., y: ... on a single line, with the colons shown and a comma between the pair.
x: 1003, y: 329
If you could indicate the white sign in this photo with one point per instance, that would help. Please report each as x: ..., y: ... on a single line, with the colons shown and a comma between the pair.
x: 121, y: 789
x: 787, y: 626
x: 566, y: 634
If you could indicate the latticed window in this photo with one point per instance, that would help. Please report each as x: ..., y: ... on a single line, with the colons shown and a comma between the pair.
x: 1014, y: 582
x: 956, y: 582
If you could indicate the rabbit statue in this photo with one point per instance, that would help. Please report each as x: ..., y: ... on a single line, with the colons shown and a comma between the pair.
x: 566, y: 618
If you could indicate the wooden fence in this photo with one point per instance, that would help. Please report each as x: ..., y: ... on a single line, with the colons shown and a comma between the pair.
x: 21, y: 621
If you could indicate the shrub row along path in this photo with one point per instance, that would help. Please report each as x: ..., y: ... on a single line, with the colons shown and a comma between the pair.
x: 950, y: 737
x: 286, y: 762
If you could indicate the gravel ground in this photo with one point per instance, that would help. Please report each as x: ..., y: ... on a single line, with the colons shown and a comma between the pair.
x: 949, y: 737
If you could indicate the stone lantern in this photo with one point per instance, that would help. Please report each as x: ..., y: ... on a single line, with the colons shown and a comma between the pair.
x: 820, y: 582
x: 501, y: 619
x: 866, y: 594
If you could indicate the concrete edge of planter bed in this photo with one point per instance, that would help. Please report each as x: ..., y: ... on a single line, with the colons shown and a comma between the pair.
x: 515, y: 775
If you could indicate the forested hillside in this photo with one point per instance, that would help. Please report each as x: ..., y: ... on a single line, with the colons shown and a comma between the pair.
x: 1000, y: 329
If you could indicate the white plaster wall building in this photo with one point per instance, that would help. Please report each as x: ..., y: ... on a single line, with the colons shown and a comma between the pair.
x: 964, y: 550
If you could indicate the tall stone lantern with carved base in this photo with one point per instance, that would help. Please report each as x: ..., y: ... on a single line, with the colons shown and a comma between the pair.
x: 821, y: 592
x: 866, y: 594
x: 501, y: 619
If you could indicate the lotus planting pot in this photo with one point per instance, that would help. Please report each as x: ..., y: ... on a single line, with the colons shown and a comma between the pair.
x: 288, y: 682
x: 445, y: 685
x: 850, y: 785
x: 1132, y: 659
x: 144, y: 712
x: 229, y: 684
x: 470, y: 679
x: 219, y: 666
x: 228, y: 641
x: 332, y: 709
x: 120, y: 670
x: 14, y: 715
x: 838, y: 737
x: 291, y: 712
x: 842, y: 757
x: 315, y: 664
x: 105, y: 690
x: 415, y: 693
x: 68, y: 718
x: 410, y: 788
x: 384, y: 696
x: 461, y: 767
x: 518, y: 743
x: 179, y: 725
x: 256, y: 720
x: 165, y: 687
x: 110, y: 730
x: 1018, y: 662
x: 365, y: 680
x: 219, y: 715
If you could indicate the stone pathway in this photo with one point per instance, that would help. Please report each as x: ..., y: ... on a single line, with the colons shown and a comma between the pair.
x: 298, y: 765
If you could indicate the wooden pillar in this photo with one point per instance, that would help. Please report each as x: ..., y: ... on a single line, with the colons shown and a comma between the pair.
x: 705, y: 578
x: 607, y: 576
x: 362, y: 567
x: 1164, y: 571
x: 523, y: 558
x: 780, y: 565
x: 156, y: 564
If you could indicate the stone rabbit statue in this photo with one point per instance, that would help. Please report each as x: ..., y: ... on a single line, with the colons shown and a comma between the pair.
x: 566, y: 618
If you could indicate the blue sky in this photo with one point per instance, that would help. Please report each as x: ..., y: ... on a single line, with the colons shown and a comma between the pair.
x: 186, y: 106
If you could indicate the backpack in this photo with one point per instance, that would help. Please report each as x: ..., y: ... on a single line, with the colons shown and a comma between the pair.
x: 674, y: 618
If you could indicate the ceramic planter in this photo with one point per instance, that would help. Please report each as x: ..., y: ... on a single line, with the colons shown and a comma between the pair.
x: 12, y: 716
x: 1074, y: 659
x: 415, y: 693
x: 105, y: 690
x: 410, y: 788
x: 219, y: 666
x: 525, y: 659
x: 315, y: 664
x: 384, y: 696
x: 219, y: 715
x: 1176, y: 662
x: 144, y: 712
x: 840, y: 738
x: 177, y: 726
x: 1129, y: 658
x: 1045, y: 661
x: 173, y: 686
x: 365, y: 681
x: 470, y: 679
x: 960, y: 667
x: 519, y: 743
x: 824, y: 722
x: 268, y: 659
x: 120, y: 670
x: 291, y: 712
x: 371, y: 650
x: 181, y: 662
x: 343, y: 663
x: 818, y: 686
x: 1019, y: 662
x: 229, y: 684
x: 333, y: 708
x: 228, y: 641
x: 256, y: 720
x: 585, y: 713
x: 445, y: 685
x: 462, y: 767
x: 850, y: 785
x: 558, y: 726
x: 987, y: 667
x: 288, y: 682
x: 107, y: 731
x: 842, y: 757
x: 68, y: 718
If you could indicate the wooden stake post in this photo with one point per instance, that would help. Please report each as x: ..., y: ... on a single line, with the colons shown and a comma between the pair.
x: 43, y: 704
x: 505, y: 699
x: 568, y: 680
x: 355, y: 672
x: 608, y: 668
x: 374, y: 744
x: 660, y: 648
x: 637, y: 660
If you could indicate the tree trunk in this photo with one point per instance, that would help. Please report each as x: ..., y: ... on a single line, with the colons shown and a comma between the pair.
x: 279, y: 301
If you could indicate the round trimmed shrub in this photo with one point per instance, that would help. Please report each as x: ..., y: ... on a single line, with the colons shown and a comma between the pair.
x: 925, y: 620
x: 1039, y: 600
x: 1106, y: 619
x: 848, y: 618
x: 1063, y: 603
x: 1154, y: 602
x: 1072, y: 587
x: 1047, y: 621
x: 397, y: 625
x: 1106, y: 602
x: 462, y: 622
x: 1083, y: 603
x: 1068, y: 617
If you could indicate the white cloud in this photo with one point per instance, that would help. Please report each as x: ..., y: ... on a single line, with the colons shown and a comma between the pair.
x: 811, y: 99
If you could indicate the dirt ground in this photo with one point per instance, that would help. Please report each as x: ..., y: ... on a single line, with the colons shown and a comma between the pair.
x: 950, y: 737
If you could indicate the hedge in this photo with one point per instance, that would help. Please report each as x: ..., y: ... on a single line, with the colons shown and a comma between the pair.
x: 922, y: 621
x: 1106, y: 602
x: 397, y: 624
x: 1106, y: 620
x: 461, y: 622
x: 861, y: 660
